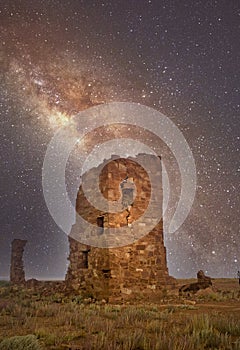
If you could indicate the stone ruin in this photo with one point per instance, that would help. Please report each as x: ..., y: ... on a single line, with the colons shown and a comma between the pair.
x: 139, y: 268
x: 202, y: 283
x: 17, y: 274
x: 136, y: 269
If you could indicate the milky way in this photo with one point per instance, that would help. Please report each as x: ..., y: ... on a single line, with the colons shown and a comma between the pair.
x: 58, y: 58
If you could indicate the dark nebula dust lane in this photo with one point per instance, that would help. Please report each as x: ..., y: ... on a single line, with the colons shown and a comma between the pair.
x: 58, y: 58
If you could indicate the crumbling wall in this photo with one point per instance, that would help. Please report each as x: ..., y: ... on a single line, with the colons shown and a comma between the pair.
x: 134, y: 268
x: 17, y: 274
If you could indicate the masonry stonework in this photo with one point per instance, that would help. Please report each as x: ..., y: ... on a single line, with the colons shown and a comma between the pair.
x: 125, y: 271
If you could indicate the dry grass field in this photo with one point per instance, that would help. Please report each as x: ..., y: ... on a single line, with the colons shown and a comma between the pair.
x: 208, y: 320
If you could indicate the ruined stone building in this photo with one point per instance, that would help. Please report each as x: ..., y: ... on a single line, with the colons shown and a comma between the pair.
x: 139, y: 267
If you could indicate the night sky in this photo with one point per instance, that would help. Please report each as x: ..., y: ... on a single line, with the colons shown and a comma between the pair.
x: 178, y: 57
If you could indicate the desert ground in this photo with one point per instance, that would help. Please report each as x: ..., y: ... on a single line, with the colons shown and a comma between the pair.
x: 208, y: 319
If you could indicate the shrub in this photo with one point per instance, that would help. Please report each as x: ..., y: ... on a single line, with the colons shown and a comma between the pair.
x: 27, y: 342
x: 4, y: 283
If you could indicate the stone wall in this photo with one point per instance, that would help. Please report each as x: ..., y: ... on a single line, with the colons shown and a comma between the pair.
x: 17, y: 274
x: 136, y: 268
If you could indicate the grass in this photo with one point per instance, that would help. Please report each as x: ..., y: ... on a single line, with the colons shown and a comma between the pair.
x: 58, y: 322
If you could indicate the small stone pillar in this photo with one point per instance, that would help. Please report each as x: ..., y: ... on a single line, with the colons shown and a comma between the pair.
x: 17, y: 274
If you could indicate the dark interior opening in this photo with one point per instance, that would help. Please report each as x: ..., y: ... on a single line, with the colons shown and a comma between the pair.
x: 106, y: 273
x: 100, y: 221
x: 85, y: 259
x: 100, y: 224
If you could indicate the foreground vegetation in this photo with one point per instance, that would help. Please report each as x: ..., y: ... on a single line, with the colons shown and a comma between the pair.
x: 58, y: 322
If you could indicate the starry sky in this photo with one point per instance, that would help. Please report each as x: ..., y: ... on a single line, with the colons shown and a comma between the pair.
x: 58, y: 58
